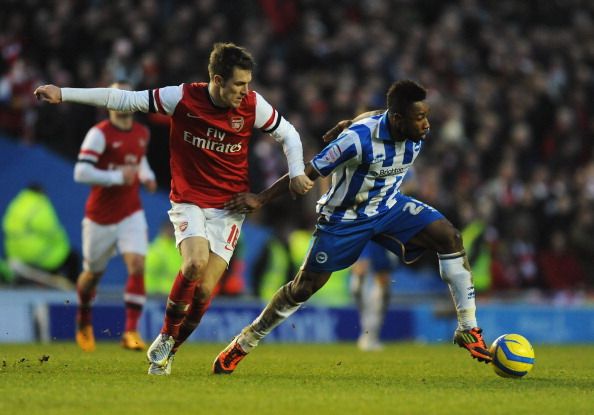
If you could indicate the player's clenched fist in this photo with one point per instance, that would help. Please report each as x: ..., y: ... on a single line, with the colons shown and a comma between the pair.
x: 301, y: 184
x: 49, y: 93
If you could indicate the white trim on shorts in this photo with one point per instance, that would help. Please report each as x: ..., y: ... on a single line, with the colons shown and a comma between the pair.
x: 101, y: 242
x: 221, y: 227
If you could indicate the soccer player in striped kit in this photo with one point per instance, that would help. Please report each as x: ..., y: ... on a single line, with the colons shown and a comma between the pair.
x: 368, y: 162
x: 113, y: 160
x: 211, y: 127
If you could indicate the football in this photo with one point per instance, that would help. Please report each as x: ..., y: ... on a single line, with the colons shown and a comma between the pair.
x: 513, y: 356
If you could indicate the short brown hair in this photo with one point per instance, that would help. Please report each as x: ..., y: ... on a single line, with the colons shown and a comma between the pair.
x: 226, y: 56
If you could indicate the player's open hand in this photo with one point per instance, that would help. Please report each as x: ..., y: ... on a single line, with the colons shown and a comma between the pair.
x: 300, y: 184
x: 49, y: 93
x: 244, y: 203
x: 335, y: 131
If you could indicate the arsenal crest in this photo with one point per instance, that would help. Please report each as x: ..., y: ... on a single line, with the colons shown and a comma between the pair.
x: 236, y: 123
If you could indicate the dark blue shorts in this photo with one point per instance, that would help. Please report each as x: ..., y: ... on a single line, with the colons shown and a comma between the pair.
x: 336, y: 246
x: 380, y: 259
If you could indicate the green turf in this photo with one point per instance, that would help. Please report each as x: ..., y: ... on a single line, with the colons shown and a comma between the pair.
x: 292, y: 379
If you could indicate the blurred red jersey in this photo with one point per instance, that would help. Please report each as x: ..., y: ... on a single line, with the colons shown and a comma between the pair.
x: 108, y: 205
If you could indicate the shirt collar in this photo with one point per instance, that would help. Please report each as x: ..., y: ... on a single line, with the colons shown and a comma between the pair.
x: 382, y: 131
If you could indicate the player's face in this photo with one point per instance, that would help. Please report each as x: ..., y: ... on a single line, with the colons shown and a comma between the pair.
x: 234, y: 89
x: 414, y: 125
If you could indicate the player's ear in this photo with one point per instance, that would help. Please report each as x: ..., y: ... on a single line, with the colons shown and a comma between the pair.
x: 395, y: 118
x: 218, y: 80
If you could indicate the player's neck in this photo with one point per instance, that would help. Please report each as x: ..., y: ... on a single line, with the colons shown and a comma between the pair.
x: 395, y: 133
x: 121, y: 126
x: 213, y: 96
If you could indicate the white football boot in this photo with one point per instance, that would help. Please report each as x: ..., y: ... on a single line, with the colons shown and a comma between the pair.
x: 157, y: 370
x: 159, y: 350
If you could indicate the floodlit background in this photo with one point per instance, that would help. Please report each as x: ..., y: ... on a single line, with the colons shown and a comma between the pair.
x: 509, y: 160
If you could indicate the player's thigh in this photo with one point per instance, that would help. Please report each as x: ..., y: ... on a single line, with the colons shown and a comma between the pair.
x: 223, y: 228
x: 99, y: 244
x: 188, y: 222
x: 439, y: 236
x: 212, y: 274
x: 398, y: 229
x: 195, y: 254
x: 332, y: 249
x: 133, y: 234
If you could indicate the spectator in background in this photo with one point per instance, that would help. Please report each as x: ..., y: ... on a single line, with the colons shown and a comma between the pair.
x: 582, y: 240
x: 559, y: 266
x: 34, y: 237
x: 162, y: 261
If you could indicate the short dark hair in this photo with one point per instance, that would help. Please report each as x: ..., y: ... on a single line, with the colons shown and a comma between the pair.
x: 226, y: 56
x: 402, y: 94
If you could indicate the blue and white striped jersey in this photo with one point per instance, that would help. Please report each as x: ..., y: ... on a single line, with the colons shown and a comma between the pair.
x: 368, y: 167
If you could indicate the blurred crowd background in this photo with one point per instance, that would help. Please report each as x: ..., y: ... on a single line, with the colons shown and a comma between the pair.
x: 511, y: 88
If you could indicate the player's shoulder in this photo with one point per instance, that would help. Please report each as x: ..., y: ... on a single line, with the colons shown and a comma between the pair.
x: 194, y: 87
x: 251, y: 98
x: 102, y: 125
x: 361, y: 130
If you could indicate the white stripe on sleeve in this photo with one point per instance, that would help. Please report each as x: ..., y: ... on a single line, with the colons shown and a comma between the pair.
x: 167, y: 98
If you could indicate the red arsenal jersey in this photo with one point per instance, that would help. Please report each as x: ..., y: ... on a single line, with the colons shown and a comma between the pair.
x: 108, y: 205
x: 208, y: 145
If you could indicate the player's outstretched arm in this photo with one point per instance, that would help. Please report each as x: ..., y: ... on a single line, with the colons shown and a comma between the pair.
x: 335, y: 131
x: 248, y: 202
x: 111, y: 98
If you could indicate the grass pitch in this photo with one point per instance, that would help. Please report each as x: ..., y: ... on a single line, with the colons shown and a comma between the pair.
x: 292, y: 379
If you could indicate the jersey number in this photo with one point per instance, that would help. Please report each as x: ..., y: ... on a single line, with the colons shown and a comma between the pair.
x: 412, y: 208
x: 232, y: 238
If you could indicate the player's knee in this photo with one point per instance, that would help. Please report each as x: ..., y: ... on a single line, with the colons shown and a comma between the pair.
x: 136, y: 266
x: 192, y: 268
x: 451, y: 241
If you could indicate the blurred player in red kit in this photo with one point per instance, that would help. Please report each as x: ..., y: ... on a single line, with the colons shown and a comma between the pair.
x: 211, y: 127
x: 113, y: 160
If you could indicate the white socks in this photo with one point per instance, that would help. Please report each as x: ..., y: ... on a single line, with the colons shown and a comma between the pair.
x: 454, y: 270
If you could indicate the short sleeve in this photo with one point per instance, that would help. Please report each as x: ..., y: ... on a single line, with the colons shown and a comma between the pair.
x: 345, y: 148
x: 92, y: 147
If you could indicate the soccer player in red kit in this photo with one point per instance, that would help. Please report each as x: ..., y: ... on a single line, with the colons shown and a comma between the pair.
x: 113, y: 160
x: 211, y: 127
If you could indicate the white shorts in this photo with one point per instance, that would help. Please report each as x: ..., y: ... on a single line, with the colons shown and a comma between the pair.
x: 100, y: 241
x: 220, y: 227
